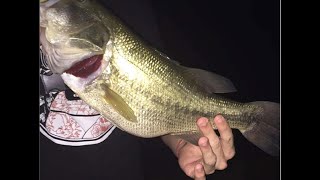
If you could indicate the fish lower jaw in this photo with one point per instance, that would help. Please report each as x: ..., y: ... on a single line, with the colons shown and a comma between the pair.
x: 79, y: 84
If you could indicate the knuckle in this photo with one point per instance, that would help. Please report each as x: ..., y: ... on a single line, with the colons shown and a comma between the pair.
x: 224, y: 126
x: 210, y: 172
x: 210, y: 161
x: 230, y: 154
x: 189, y: 174
x: 189, y: 171
x: 216, y: 144
x: 221, y: 166
x: 229, y: 139
x: 182, y: 163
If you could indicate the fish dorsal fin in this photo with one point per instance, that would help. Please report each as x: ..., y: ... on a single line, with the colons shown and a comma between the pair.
x: 119, y: 104
x: 208, y: 81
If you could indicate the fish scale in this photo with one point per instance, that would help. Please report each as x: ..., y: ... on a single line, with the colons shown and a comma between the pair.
x: 177, y: 117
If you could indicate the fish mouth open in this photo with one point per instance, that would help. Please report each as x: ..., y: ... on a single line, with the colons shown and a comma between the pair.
x: 86, y: 71
x: 86, y: 67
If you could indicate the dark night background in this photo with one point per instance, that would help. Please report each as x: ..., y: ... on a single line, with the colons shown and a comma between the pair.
x: 236, y: 39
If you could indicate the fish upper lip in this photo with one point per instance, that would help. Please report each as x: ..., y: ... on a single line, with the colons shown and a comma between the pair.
x: 57, y: 54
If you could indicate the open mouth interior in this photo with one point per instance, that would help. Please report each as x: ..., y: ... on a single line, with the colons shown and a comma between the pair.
x: 86, y: 67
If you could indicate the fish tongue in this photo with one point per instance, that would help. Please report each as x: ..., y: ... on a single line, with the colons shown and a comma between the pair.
x: 86, y: 67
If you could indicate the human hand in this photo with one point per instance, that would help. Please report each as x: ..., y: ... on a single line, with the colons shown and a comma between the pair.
x: 212, y: 153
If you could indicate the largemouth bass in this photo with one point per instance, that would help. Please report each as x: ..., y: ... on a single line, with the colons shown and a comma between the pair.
x: 138, y: 88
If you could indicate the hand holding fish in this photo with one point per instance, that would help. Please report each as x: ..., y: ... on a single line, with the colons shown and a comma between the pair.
x: 212, y: 153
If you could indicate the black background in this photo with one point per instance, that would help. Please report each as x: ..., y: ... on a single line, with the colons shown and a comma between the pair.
x: 237, y: 39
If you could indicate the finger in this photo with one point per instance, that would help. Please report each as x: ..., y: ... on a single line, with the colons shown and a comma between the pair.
x: 199, y: 172
x: 226, y: 137
x: 209, y: 158
x: 214, y: 141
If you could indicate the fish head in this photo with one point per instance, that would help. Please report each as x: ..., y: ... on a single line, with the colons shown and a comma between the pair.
x: 74, y: 40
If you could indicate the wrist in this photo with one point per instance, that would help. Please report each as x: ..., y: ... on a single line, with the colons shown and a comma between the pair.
x: 174, y: 143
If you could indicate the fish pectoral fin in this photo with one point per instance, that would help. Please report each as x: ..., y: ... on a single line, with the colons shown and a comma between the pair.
x: 210, y: 82
x: 119, y: 104
x: 191, y: 136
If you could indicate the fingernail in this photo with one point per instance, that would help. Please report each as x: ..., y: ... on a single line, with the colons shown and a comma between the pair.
x: 219, y: 119
x: 203, y: 142
x: 199, y: 167
x: 203, y: 122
